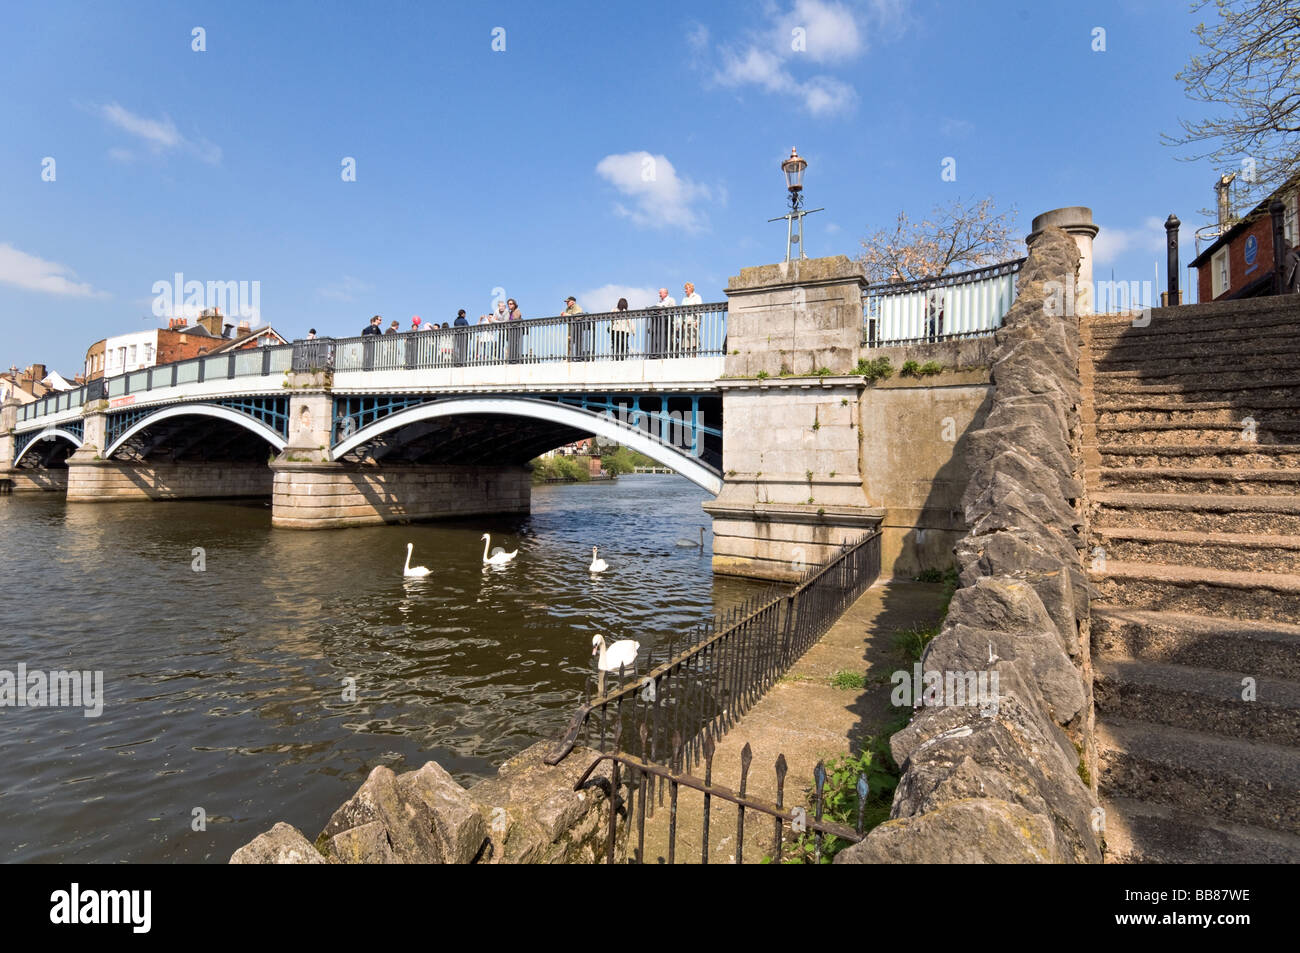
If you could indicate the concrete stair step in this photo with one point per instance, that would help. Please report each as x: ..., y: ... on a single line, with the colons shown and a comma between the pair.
x: 1206, y: 384
x: 1249, y: 350
x: 1272, y: 482
x: 1159, y: 322
x: 1201, y: 512
x: 1200, y: 432
x: 1244, y: 552
x: 1230, y: 779
x: 1111, y: 343
x: 1202, y: 412
x: 1250, y: 456
x: 1261, y: 596
x: 1179, y: 638
x: 1196, y: 699
x: 1139, y: 832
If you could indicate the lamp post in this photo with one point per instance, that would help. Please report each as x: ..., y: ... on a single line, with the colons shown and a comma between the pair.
x: 793, y: 169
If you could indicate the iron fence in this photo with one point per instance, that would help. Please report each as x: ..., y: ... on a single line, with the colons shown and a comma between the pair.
x: 965, y: 304
x: 647, y: 782
x: 653, y: 333
x: 702, y: 689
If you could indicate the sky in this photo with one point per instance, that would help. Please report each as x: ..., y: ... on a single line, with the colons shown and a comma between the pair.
x: 350, y: 159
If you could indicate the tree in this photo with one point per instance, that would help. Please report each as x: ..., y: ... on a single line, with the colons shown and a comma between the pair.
x: 970, y: 234
x: 1250, y: 66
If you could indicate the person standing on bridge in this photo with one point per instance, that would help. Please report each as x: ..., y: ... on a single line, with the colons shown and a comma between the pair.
x: 690, y: 323
x: 369, y: 332
x: 577, y: 329
x: 514, y: 330
x: 620, y: 331
x: 461, y: 337
x: 658, y: 344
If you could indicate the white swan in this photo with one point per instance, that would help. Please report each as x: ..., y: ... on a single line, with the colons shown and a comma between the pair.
x: 620, y: 655
x: 410, y: 570
x: 597, y: 565
x: 496, y: 559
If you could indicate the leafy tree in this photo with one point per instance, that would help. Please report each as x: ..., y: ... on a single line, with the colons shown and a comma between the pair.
x: 955, y: 237
x: 1249, y: 67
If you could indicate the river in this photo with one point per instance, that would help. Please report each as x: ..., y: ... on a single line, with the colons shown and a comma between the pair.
x: 224, y: 689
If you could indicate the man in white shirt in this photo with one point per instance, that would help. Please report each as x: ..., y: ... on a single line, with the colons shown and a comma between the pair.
x: 689, y: 325
x: 659, y: 343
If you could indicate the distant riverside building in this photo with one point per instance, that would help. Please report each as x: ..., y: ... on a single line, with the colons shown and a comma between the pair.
x: 31, y: 384
x: 178, y: 341
x: 1239, y: 261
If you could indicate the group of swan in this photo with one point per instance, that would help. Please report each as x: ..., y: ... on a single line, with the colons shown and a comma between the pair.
x: 499, y: 558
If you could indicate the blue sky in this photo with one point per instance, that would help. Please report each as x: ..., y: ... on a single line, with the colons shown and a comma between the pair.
x: 522, y: 169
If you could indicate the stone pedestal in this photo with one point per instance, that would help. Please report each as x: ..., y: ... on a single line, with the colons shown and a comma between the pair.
x: 116, y: 481
x: 314, y: 494
x: 792, y: 489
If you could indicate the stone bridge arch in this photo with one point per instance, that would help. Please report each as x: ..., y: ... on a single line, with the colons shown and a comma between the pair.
x: 71, y: 443
x: 127, y: 434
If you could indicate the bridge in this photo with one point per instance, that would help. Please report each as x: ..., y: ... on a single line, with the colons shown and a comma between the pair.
x: 761, y: 400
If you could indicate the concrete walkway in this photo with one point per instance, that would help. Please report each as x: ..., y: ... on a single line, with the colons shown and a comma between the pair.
x: 803, y: 717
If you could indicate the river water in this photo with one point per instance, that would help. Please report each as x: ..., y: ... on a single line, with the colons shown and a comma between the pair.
x: 224, y: 689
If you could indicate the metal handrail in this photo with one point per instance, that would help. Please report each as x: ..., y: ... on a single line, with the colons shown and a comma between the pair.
x: 945, y: 280
x: 727, y: 664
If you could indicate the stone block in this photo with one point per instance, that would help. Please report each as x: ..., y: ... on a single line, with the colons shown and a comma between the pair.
x: 282, y: 844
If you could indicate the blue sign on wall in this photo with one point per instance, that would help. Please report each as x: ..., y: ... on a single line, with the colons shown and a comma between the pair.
x: 1252, y: 249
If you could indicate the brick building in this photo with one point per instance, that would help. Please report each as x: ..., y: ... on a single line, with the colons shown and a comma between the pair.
x: 1238, y: 263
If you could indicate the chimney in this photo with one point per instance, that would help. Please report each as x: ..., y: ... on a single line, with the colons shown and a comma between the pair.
x: 243, y: 328
x: 1223, y: 190
x: 210, y: 320
x: 36, y: 372
x: 226, y: 329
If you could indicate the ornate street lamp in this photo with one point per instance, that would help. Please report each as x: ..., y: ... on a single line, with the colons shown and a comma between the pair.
x: 793, y: 168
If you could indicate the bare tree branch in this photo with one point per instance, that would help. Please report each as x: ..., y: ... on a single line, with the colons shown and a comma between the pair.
x: 961, y: 234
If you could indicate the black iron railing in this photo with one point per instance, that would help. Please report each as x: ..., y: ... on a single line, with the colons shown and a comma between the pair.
x: 644, y: 777
x: 654, y: 333
x: 703, y: 687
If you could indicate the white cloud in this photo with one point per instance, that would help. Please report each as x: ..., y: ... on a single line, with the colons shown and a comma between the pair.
x: 159, y: 135
x: 36, y: 274
x: 697, y: 37
x: 956, y: 127
x: 821, y: 32
x: 606, y: 297
x: 1111, y: 243
x: 660, y: 197
x: 345, y: 289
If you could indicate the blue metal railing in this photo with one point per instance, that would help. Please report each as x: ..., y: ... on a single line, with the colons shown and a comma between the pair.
x: 965, y: 304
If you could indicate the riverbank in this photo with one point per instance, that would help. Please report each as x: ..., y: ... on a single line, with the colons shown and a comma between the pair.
x: 834, y: 701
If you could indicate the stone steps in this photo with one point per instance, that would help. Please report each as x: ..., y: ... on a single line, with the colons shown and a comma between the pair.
x: 1162, y: 324
x: 1245, y: 552
x: 1212, y: 434
x: 1198, y: 384
x: 1192, y: 698
x: 1256, y: 456
x: 1183, y: 639
x: 1196, y: 369
x: 1252, y: 596
x: 1195, y: 355
x: 1199, y: 512
x: 1228, y: 779
x: 1272, y: 329
x: 1224, y: 480
x: 1263, y: 413
x: 1138, y: 832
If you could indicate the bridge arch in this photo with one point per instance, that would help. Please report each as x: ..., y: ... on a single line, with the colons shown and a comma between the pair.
x: 46, y: 434
x: 549, y: 412
x: 269, y: 434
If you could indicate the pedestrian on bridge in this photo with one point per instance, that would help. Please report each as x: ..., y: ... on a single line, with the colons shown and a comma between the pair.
x: 657, y: 346
x: 689, y: 324
x: 462, y: 337
x: 577, y: 329
x: 514, y: 330
x: 370, y: 331
x: 620, y: 331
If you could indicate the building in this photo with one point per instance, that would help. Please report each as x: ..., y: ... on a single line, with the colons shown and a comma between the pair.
x: 1238, y: 262
x: 179, y: 341
x: 31, y: 384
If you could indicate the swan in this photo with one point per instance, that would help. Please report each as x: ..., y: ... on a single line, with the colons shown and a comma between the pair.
x: 621, y: 655
x: 497, y: 558
x: 597, y: 565
x: 684, y: 542
x: 410, y: 570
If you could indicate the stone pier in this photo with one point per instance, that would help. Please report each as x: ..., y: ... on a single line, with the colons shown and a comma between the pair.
x: 115, y: 481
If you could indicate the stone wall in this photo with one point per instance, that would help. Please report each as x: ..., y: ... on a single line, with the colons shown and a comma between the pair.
x: 35, y: 480
x: 112, y: 481
x: 1010, y: 781
x: 529, y: 813
x: 325, y: 495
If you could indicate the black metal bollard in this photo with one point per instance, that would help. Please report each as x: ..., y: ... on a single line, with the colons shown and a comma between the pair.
x: 1174, y: 296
